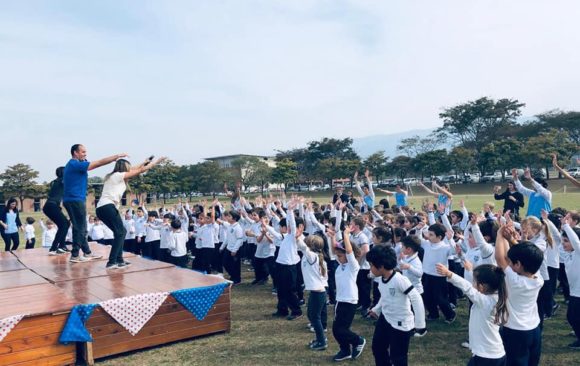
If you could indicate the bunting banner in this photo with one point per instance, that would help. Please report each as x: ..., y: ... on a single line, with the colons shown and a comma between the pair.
x: 7, y: 324
x: 133, y: 312
x: 75, y: 330
x: 200, y: 300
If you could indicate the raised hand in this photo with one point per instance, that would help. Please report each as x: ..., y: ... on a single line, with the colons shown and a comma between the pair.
x: 527, y: 173
x: 443, y: 271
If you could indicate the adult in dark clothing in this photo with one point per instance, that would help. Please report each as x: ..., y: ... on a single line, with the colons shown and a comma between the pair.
x: 10, y: 224
x: 53, y: 211
x: 75, y: 179
x: 340, y: 195
x: 513, y: 199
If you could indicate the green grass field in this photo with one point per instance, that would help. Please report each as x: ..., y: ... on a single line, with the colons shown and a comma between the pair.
x: 258, y: 339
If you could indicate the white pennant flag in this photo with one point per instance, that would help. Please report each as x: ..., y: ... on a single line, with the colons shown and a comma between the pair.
x: 134, y: 312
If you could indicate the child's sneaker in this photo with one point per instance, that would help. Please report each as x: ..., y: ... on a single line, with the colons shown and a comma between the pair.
x: 311, y: 328
x: 342, y: 355
x: 93, y: 256
x: 357, y: 350
x: 465, y: 345
x: 420, y: 332
x: 317, y: 346
x: 78, y: 259
x: 51, y: 253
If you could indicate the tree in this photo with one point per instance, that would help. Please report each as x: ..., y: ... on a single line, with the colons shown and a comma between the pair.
x: 563, y: 121
x: 412, y: 146
x: 334, y: 168
x: 19, y: 180
x: 163, y: 178
x: 538, y: 148
x: 286, y: 171
x: 209, y: 177
x: 400, y: 166
x: 377, y: 164
x: 462, y: 159
x: 431, y: 163
x: 252, y: 171
x: 478, y: 123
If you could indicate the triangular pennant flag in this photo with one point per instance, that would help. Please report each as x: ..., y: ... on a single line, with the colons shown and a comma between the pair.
x: 7, y: 324
x: 134, y: 312
x: 199, y: 300
x: 75, y: 330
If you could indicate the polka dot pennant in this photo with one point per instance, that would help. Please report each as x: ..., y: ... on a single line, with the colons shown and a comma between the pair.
x: 7, y: 324
x: 199, y: 300
x: 133, y: 312
x: 74, y: 329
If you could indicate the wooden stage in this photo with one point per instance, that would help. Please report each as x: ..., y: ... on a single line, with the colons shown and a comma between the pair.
x: 47, y: 287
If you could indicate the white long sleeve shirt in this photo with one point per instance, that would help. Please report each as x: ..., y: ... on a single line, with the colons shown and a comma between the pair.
x: 572, y: 261
x: 484, y: 338
x: 29, y: 232
x: 415, y: 272
x: 288, y: 253
x: 435, y: 253
x: 345, y: 278
x: 234, y: 237
x: 521, y: 303
x: 178, y: 243
x: 311, y: 269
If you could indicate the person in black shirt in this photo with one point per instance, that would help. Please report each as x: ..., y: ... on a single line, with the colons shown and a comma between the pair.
x: 53, y: 211
x: 513, y: 199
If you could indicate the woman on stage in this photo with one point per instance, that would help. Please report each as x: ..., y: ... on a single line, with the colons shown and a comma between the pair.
x: 114, y: 186
x: 53, y: 211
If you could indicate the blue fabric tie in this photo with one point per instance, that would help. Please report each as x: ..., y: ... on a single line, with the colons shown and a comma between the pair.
x: 199, y: 300
x: 74, y: 330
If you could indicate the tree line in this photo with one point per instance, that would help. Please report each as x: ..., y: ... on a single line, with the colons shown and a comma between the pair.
x: 483, y: 135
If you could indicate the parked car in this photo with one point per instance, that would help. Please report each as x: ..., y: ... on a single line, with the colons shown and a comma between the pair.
x: 575, y: 172
x: 448, y: 179
x: 495, y: 177
x: 410, y: 181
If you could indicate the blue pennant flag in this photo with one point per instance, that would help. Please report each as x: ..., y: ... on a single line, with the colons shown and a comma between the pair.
x: 199, y: 300
x: 74, y: 330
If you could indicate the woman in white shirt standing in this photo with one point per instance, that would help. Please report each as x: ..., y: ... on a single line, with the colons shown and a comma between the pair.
x: 107, y: 208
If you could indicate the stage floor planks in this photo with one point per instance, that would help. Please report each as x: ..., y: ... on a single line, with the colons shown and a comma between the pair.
x: 47, y: 287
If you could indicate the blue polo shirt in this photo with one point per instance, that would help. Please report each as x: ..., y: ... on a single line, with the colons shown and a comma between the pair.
x: 75, y: 181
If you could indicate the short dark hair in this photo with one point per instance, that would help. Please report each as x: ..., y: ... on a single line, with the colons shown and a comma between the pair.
x: 59, y: 172
x: 283, y: 223
x: 528, y: 254
x: 235, y: 215
x: 176, y: 224
x: 458, y: 213
x: 30, y: 220
x: 438, y: 229
x: 385, y: 235
x: 411, y: 242
x: 74, y: 148
x: 382, y: 256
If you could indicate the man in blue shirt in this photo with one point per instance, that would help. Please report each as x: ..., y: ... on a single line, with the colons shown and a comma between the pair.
x: 75, y: 180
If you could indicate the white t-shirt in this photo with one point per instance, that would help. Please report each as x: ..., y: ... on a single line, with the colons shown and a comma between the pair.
x: 178, y: 243
x: 313, y: 279
x: 521, y: 302
x: 397, y: 292
x: 345, y: 278
x: 28, y: 232
x: 113, y: 189
x: 360, y: 239
x: 435, y: 253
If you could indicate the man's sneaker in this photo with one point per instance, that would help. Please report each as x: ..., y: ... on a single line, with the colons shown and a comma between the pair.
x: 61, y: 251
x: 357, y: 350
x: 274, y: 291
x: 52, y: 253
x: 453, y: 306
x: 465, y: 344
x: 317, y: 346
x: 575, y: 345
x: 451, y: 320
x: 112, y: 266
x: 342, y: 355
x: 311, y: 328
x: 572, y: 334
x: 294, y: 316
x: 279, y: 315
x: 92, y: 256
x: 123, y: 265
x: 420, y: 332
x: 78, y: 259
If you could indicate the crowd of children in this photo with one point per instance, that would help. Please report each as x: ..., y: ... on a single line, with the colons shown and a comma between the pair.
x: 395, y: 264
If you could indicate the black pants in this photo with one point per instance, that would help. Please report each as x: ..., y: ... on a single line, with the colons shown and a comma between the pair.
x: 147, y: 248
x: 156, y: 250
x: 286, y: 285
x: 202, y: 261
x: 545, y: 301
x: 233, y: 266
x: 317, y: 313
x: 179, y: 261
x: 390, y: 345
x: 563, y: 278
x: 109, y: 215
x: 10, y: 238
x: 139, y: 241
x: 522, y: 347
x: 54, y: 213
x: 299, y: 279
x: 573, y: 315
x: 435, y: 295
x: 363, y: 282
x: 30, y: 243
x: 332, y: 266
x: 453, y: 291
x: 77, y: 212
x: 129, y: 245
x: 216, y: 262
x: 263, y: 267
x: 343, y: 316
x: 480, y: 361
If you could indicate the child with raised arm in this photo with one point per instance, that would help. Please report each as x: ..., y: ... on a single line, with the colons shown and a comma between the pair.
x: 366, y: 192
x: 442, y: 193
x: 400, y: 195
x: 396, y: 321
x: 49, y: 231
x: 538, y: 198
x: 315, y: 280
x: 351, y: 344
x: 177, y: 244
x: 489, y: 311
x: 571, y: 245
x: 231, y: 246
x: 521, y: 334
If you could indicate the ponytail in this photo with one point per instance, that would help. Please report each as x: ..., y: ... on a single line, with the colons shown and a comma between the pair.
x: 501, y: 310
x: 548, y: 234
x: 492, y: 278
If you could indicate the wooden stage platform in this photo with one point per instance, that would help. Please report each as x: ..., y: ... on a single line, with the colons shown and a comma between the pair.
x: 47, y: 287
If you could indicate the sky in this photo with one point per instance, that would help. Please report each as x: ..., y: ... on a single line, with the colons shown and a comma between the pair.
x: 196, y: 79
